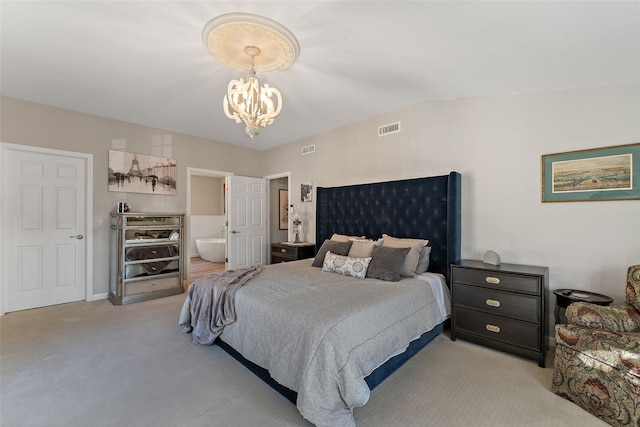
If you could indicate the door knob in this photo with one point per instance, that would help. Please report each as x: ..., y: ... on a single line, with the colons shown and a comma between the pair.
x: 79, y: 237
x: 234, y: 232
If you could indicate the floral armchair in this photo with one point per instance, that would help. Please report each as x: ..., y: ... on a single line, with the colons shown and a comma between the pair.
x: 597, y: 359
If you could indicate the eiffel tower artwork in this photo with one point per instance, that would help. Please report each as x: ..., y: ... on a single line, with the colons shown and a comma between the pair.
x: 141, y: 173
x: 134, y: 170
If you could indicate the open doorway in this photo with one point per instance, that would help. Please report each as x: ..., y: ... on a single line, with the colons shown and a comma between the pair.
x: 279, y: 203
x: 206, y: 219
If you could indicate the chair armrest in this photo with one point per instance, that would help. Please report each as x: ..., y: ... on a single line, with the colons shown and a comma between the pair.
x: 615, y: 318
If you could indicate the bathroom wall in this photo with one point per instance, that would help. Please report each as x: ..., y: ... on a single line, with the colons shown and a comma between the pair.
x: 207, y: 209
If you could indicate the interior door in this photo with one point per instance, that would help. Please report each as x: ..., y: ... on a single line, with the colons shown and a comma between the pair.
x: 44, y: 226
x: 247, y: 221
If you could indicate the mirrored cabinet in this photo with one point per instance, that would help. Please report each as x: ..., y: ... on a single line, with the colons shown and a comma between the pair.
x: 146, y: 256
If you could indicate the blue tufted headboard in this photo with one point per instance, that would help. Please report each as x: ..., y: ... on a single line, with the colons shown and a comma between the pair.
x: 426, y: 208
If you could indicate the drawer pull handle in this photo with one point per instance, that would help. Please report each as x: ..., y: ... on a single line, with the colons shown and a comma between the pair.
x: 493, y: 303
x: 492, y: 280
x: 284, y: 251
x: 493, y: 328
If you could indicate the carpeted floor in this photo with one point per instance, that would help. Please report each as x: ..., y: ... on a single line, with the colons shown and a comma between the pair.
x: 91, y: 364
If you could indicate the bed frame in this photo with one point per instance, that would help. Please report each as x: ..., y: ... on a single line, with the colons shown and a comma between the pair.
x: 426, y: 208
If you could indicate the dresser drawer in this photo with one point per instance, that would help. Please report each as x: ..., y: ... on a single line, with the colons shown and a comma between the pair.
x: 285, y: 250
x: 498, y: 280
x: 498, y: 328
x: 150, y: 252
x: 152, y: 285
x: 509, y: 304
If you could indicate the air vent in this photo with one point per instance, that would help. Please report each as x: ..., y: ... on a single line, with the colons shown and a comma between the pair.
x: 390, y: 128
x: 309, y: 149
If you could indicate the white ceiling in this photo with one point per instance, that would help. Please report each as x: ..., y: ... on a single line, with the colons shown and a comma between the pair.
x: 145, y: 62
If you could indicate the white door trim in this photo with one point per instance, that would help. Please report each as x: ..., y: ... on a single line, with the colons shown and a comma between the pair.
x: 88, y: 161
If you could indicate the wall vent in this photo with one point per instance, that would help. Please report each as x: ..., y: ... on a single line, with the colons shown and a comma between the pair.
x: 309, y: 149
x: 390, y: 128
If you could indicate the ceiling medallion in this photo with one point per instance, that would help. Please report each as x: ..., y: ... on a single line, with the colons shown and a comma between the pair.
x: 254, y: 44
x: 226, y: 37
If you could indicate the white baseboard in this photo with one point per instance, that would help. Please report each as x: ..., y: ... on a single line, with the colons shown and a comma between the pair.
x: 97, y: 297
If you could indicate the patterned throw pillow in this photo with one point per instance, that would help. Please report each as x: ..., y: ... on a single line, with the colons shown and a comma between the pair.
x: 348, y: 266
x: 633, y: 286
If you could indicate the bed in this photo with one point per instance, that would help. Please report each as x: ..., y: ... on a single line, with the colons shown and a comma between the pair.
x: 323, y: 339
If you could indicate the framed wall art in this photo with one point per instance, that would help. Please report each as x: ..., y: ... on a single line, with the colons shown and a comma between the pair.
x: 283, y: 210
x: 608, y: 173
x: 141, y: 173
x: 306, y: 192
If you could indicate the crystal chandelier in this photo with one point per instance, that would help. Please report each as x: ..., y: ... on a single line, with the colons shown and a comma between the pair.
x: 234, y: 37
x: 248, y: 103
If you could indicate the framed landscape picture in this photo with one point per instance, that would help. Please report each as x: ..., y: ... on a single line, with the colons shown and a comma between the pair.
x: 609, y: 173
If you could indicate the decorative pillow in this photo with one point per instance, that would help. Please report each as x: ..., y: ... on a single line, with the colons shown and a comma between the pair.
x: 633, y: 286
x: 386, y: 263
x: 344, y: 238
x: 340, y: 248
x: 411, y: 260
x: 354, y: 267
x: 363, y: 248
x: 423, y: 260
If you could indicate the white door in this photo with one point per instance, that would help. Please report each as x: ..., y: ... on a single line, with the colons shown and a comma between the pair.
x: 44, y: 227
x: 247, y: 217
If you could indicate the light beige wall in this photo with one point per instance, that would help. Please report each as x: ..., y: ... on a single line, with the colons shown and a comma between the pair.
x: 32, y: 124
x: 207, y: 195
x: 496, y: 143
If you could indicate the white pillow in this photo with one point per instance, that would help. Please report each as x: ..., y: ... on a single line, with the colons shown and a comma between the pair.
x: 348, y: 266
x: 344, y: 238
x: 362, y: 248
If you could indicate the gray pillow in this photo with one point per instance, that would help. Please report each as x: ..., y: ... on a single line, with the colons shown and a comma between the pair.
x: 423, y: 261
x: 338, y: 248
x: 387, y: 263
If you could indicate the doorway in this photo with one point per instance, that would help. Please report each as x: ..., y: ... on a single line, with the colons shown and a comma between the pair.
x: 196, y: 266
x: 206, y: 223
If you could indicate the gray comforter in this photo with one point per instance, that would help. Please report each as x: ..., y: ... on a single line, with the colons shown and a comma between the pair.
x: 320, y: 334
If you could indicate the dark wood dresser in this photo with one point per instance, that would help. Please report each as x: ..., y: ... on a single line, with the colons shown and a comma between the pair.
x: 500, y: 306
x: 283, y: 252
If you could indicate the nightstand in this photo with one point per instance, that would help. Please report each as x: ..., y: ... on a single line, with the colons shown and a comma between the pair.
x: 500, y: 306
x: 286, y: 251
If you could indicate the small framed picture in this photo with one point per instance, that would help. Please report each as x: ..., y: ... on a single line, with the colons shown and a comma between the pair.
x: 283, y: 210
x: 306, y: 192
x: 124, y: 207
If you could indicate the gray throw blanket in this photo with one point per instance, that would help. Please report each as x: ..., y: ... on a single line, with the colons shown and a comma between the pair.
x: 209, y: 305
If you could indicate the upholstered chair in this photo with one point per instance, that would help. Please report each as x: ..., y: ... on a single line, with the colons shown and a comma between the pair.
x: 597, y: 359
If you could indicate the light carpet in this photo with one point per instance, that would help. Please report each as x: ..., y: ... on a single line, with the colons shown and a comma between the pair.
x: 91, y: 364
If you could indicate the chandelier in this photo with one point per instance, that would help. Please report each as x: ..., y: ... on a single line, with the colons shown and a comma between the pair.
x: 237, y: 39
x: 248, y: 103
